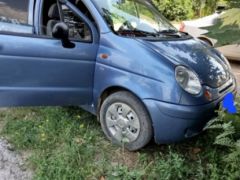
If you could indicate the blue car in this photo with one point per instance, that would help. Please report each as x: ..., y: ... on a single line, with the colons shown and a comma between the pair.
x: 118, y: 59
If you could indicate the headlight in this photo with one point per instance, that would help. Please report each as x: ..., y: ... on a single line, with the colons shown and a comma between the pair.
x: 226, y: 61
x: 188, y: 80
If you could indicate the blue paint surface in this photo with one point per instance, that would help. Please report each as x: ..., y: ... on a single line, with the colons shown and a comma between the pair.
x: 228, y: 103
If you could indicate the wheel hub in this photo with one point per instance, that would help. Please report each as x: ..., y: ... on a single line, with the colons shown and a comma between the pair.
x: 122, y: 122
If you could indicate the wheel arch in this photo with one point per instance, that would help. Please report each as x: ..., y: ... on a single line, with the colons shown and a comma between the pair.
x: 206, y: 40
x: 113, y: 89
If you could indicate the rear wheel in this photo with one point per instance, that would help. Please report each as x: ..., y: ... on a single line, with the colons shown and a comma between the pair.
x: 125, y: 120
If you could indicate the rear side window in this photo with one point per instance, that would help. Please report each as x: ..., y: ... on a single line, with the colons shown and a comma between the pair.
x: 14, y: 11
x: 14, y: 16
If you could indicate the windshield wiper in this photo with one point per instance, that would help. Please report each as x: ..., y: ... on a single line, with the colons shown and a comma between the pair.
x: 170, y: 32
x: 138, y: 33
x: 157, y: 34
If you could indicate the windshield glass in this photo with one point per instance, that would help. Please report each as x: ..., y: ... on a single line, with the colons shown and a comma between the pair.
x: 133, y: 16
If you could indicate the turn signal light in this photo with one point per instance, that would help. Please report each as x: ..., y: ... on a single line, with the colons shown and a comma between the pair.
x: 103, y: 56
x: 208, y: 95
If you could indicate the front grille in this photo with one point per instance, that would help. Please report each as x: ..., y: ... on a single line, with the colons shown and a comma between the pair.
x: 226, y: 86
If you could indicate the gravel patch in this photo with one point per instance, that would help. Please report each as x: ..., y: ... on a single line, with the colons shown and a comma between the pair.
x: 11, y: 164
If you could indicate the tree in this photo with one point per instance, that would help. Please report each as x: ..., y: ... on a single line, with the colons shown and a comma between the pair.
x: 185, y: 9
x: 198, y: 5
x: 234, y: 3
x: 210, y: 7
x: 175, y: 9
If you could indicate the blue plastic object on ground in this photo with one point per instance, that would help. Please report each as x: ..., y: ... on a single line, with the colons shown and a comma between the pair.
x: 228, y: 103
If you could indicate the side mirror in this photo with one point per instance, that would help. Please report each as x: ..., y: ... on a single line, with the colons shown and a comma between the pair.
x: 61, y: 31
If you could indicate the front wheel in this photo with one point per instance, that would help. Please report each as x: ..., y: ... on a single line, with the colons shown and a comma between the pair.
x: 125, y: 121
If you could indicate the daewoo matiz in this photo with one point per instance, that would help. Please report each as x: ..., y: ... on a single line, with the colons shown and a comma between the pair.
x: 118, y: 59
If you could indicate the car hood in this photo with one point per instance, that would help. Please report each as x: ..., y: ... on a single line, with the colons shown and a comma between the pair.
x: 196, y: 55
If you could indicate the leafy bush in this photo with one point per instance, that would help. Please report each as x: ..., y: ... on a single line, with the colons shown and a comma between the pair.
x: 226, y: 30
x: 234, y: 3
x: 185, y: 9
x: 204, y: 7
x: 229, y: 137
x: 175, y: 9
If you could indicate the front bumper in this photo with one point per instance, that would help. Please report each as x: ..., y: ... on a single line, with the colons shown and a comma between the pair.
x: 173, y: 123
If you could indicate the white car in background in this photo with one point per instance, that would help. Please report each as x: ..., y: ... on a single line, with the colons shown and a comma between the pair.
x: 195, y: 27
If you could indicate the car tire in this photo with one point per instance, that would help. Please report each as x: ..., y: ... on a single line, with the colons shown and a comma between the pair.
x: 125, y: 121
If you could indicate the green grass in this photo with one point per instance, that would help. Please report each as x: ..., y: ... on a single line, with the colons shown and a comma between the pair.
x: 68, y: 143
x: 227, y: 29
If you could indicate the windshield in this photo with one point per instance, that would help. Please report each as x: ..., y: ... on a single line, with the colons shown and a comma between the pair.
x: 133, y: 17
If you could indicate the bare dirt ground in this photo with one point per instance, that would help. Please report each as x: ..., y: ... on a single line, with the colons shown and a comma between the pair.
x: 12, y: 166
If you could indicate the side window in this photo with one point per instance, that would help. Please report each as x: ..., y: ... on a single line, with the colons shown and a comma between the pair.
x: 14, y: 16
x: 78, y: 29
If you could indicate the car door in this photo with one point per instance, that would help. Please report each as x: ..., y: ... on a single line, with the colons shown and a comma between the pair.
x: 36, y: 69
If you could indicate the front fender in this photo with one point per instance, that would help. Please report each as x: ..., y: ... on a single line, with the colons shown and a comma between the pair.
x: 143, y: 87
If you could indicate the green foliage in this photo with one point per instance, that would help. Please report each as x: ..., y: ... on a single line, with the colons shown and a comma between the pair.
x: 169, y: 166
x: 64, y: 144
x: 175, y: 9
x: 67, y: 143
x: 204, y: 7
x: 233, y: 3
x: 229, y: 137
x: 185, y: 9
x: 123, y: 172
x: 226, y: 30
